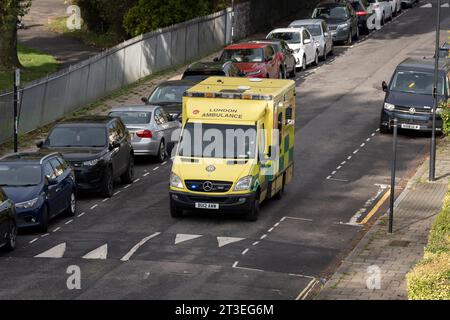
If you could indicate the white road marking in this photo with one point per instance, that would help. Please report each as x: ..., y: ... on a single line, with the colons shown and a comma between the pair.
x: 81, y: 214
x: 146, y: 174
x: 343, y: 162
x: 34, y: 240
x: 137, y: 180
x: 270, y: 230
x: 127, y: 186
x: 349, y: 157
x: 106, y: 199
x: 164, y: 163
x: 377, y: 130
x: 223, y: 241
x: 249, y: 269
x: 302, y: 219
x: 362, y: 145
x: 445, y: 5
x: 339, y: 168
x: 116, y: 193
x: 44, y: 235
x: 185, y: 237
x: 70, y: 221
x: 244, y: 252
x: 55, y: 252
x: 282, y: 219
x: 373, y: 134
x: 276, y: 224
x: 333, y: 173
x: 367, y: 205
x: 94, y: 206
x: 329, y: 177
x: 339, y: 180
x: 56, y: 229
x: 235, y: 264
x: 263, y: 236
x: 428, y: 5
x: 307, y: 290
x: 138, y: 245
x: 154, y: 169
x: 100, y: 253
x: 368, y: 139
x: 300, y: 276
x: 356, y: 151
x: 255, y: 243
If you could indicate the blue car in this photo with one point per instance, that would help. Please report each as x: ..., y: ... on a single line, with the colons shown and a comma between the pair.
x: 41, y: 185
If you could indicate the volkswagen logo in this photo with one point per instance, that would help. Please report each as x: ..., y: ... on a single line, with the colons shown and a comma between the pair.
x: 211, y: 168
x: 207, y: 186
x: 412, y: 110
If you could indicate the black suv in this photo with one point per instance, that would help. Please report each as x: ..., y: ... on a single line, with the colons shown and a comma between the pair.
x: 341, y: 19
x: 98, y: 147
x: 8, y: 226
x: 409, y: 95
x: 201, y: 70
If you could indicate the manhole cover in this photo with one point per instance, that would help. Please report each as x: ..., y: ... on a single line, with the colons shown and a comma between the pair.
x: 399, y: 243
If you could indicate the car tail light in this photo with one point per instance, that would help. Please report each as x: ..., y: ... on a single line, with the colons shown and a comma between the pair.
x: 361, y: 13
x: 144, y: 134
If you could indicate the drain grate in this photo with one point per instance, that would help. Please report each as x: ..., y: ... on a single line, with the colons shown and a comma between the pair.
x: 399, y: 243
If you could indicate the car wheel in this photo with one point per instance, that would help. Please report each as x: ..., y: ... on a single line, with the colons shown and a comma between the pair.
x: 128, y: 176
x: 108, y: 184
x: 72, y: 209
x: 162, y: 152
x: 174, y: 211
x: 303, y: 67
x: 11, y: 238
x: 253, y: 213
x: 43, y: 227
x: 325, y: 53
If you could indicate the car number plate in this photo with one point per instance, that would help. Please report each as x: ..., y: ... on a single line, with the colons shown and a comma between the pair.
x: 410, y: 126
x: 210, y: 206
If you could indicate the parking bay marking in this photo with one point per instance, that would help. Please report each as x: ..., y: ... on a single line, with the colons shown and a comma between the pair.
x: 138, y: 245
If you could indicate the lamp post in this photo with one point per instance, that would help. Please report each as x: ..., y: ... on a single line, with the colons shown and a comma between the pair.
x: 432, y: 170
x: 232, y: 21
x: 394, y: 125
x: 16, y: 102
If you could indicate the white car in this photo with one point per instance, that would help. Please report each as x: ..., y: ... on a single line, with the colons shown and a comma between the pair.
x: 396, y: 6
x: 382, y: 10
x: 320, y: 33
x: 300, y: 40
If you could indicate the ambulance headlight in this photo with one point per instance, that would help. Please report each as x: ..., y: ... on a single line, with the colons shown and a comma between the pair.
x: 175, y: 181
x: 243, y: 184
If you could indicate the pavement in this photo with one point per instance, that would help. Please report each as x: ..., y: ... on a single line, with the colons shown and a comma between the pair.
x: 66, y: 50
x: 376, y: 269
x: 128, y: 246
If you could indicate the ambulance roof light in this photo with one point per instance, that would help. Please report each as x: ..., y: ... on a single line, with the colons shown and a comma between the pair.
x: 228, y: 95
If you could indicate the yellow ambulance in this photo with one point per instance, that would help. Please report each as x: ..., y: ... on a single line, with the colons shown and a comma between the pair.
x: 236, y: 147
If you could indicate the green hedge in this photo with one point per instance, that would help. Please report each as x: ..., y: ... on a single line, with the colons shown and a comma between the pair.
x: 430, y: 278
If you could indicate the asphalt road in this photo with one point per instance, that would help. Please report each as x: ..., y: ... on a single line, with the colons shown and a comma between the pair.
x: 128, y: 247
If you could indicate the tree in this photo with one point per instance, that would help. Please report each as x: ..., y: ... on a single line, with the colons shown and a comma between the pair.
x: 9, y: 11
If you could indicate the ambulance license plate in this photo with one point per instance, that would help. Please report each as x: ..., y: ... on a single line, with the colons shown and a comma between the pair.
x: 410, y: 126
x: 210, y: 206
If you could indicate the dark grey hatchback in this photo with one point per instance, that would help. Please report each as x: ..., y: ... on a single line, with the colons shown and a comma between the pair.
x: 8, y: 225
x: 409, y: 95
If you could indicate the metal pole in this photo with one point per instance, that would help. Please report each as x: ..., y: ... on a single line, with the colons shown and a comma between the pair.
x: 16, y: 102
x: 393, y: 169
x: 232, y: 21
x: 432, y: 170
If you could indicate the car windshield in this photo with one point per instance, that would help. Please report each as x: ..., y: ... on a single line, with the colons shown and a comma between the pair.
x: 330, y: 12
x: 220, y: 141
x: 416, y: 82
x: 289, y: 37
x: 12, y: 174
x: 243, y: 55
x: 77, y: 136
x: 168, y: 94
x: 314, y: 29
x: 133, y: 117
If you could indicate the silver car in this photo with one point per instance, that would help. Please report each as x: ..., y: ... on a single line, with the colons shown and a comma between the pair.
x: 151, y: 129
x: 320, y: 33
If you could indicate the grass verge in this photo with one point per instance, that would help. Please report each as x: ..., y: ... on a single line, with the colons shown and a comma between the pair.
x: 101, y: 41
x: 430, y: 278
x: 36, y: 65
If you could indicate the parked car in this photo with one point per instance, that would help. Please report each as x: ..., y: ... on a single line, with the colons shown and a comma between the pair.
x: 169, y: 95
x: 301, y: 42
x: 444, y: 52
x: 382, y: 10
x: 362, y: 9
x: 409, y: 3
x: 396, y: 6
x: 341, y: 19
x: 285, y: 55
x: 255, y: 60
x: 318, y: 29
x: 8, y: 224
x: 409, y: 95
x: 41, y: 184
x: 98, y: 147
x: 200, y: 71
x: 151, y: 128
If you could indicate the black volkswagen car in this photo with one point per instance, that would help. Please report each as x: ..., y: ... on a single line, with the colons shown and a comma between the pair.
x: 98, y: 147
x: 409, y: 95
x: 200, y: 71
x: 169, y: 95
x: 341, y: 19
x: 8, y: 226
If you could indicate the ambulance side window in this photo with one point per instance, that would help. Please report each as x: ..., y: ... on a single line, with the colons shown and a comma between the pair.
x: 288, y: 114
x: 280, y: 128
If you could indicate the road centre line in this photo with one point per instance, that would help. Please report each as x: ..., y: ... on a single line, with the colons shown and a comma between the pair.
x: 270, y: 230
x: 146, y: 174
x: 137, y: 180
x: 81, y: 214
x: 56, y: 229
x: 116, y: 193
x: 34, y: 240
x: 70, y: 221
x: 276, y: 224
x: 44, y: 235
x: 156, y: 168
x: 106, y: 199
x: 235, y: 264
x: 245, y: 252
x: 263, y: 236
x: 94, y: 206
x: 255, y: 243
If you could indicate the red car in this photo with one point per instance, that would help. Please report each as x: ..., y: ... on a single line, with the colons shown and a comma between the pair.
x: 255, y: 60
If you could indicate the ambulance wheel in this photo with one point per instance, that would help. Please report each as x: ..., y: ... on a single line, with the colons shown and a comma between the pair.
x: 174, y: 211
x: 252, y: 215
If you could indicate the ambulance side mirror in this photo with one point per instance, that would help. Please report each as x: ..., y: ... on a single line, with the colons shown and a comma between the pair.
x: 266, y: 164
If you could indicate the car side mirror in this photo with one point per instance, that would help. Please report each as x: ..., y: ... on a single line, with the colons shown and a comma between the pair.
x: 384, y: 86
x: 144, y: 100
x: 40, y: 144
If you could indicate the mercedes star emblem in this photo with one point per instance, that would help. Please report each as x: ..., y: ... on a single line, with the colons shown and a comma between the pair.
x: 207, y: 186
